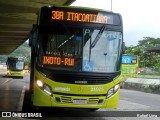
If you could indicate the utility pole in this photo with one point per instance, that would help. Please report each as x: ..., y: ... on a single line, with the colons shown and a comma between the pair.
x: 111, y: 5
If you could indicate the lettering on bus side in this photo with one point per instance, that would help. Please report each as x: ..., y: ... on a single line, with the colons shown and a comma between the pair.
x: 79, y: 17
x: 51, y: 60
x: 62, y: 88
x: 97, y: 89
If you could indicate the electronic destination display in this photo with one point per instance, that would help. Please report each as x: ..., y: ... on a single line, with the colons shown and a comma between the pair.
x: 58, y: 61
x: 58, y: 14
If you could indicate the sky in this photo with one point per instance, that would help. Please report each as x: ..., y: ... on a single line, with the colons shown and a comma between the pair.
x: 141, y: 18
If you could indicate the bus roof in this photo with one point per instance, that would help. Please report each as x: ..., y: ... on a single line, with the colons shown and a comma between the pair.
x: 81, y: 7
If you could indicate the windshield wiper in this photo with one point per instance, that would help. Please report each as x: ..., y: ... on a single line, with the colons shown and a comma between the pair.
x: 97, y: 37
x: 90, y: 50
x: 95, y: 40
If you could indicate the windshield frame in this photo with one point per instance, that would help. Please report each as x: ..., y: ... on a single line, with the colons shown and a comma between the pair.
x: 98, y: 27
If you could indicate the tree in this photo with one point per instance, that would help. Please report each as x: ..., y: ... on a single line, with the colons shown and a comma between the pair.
x: 146, y: 59
x: 22, y: 51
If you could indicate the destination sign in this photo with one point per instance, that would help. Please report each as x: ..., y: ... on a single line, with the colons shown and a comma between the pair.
x: 80, y: 17
x: 52, y: 60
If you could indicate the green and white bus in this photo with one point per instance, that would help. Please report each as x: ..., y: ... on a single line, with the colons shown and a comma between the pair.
x: 76, y: 58
x: 129, y: 66
x: 15, y: 67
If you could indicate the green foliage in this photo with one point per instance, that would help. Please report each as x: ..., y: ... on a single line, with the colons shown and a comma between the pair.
x: 22, y: 51
x: 146, y: 59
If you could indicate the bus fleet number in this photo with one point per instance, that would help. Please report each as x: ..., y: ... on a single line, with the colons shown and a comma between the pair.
x: 96, y: 89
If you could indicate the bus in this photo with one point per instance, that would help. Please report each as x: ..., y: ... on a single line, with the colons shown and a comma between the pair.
x: 76, y: 58
x: 129, y: 66
x: 15, y: 67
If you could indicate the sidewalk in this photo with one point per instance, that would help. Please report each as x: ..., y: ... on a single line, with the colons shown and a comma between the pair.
x: 149, y: 76
x: 3, y: 72
x: 150, y: 84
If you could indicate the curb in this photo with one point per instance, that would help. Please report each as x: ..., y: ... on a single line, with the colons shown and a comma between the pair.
x: 141, y: 84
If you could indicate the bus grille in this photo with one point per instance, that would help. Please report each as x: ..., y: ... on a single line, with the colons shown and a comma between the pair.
x: 83, y: 79
x: 93, y: 100
x: 67, y: 99
x: 87, y: 78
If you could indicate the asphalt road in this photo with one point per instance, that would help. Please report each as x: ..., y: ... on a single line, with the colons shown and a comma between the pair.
x: 13, y: 97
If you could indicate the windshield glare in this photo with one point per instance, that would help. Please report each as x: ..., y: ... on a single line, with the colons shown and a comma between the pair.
x: 71, y: 50
x: 104, y: 57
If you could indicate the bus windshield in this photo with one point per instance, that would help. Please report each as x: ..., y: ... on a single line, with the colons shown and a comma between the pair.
x: 70, y: 48
x: 15, y: 64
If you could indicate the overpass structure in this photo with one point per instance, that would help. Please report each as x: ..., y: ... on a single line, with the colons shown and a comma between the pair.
x: 17, y: 18
x: 155, y: 49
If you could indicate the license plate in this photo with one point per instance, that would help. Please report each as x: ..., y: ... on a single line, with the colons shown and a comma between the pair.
x: 79, y: 101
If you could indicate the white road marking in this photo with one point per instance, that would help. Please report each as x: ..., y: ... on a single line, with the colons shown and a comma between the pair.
x: 20, y: 103
x: 6, y: 81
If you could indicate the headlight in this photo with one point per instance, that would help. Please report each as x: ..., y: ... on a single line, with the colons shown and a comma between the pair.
x: 112, y: 90
x: 46, y: 88
x: 39, y: 83
x: 116, y: 87
x: 23, y: 72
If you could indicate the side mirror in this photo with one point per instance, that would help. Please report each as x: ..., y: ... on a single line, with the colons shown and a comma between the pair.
x: 123, y: 48
x: 31, y: 36
x: 30, y: 39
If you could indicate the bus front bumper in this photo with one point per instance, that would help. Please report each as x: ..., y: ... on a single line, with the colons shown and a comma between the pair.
x: 42, y: 99
x: 15, y: 73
